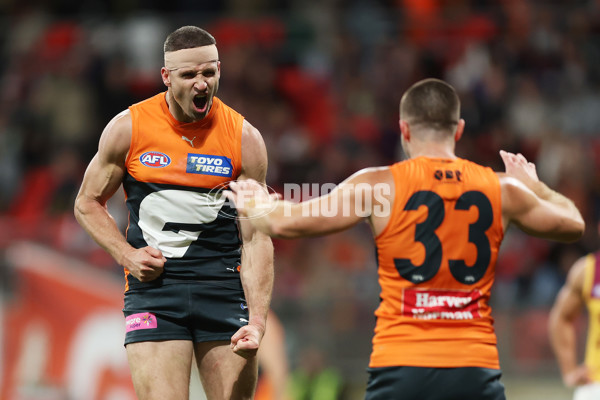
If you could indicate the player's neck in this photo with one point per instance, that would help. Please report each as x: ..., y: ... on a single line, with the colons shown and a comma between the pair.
x: 431, y: 150
x: 176, y: 110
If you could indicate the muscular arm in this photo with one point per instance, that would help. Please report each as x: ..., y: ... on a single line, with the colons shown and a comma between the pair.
x: 101, y: 180
x: 534, y: 207
x: 366, y: 194
x: 257, y: 251
x: 563, y: 316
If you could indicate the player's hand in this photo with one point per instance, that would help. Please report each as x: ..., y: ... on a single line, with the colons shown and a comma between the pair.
x: 249, y: 193
x: 577, y: 377
x: 246, y: 340
x: 518, y: 167
x: 145, y: 264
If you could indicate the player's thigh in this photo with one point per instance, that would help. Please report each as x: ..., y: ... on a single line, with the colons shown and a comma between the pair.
x: 161, y: 370
x: 224, y: 374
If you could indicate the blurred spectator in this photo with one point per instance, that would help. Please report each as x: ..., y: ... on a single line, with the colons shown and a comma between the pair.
x: 48, y: 190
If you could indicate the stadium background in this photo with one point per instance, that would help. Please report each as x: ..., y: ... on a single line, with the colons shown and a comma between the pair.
x: 322, y: 82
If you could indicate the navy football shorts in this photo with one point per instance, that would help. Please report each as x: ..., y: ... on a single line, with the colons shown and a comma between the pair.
x: 199, y: 311
x: 418, y: 383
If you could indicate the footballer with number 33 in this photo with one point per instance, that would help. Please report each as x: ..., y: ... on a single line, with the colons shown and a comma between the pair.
x: 437, y: 229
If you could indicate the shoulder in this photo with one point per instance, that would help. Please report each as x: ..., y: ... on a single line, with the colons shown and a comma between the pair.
x: 254, y: 153
x: 116, y: 137
x: 577, y: 273
x: 508, y: 183
x: 251, y: 135
x: 484, y: 173
x: 157, y: 99
x: 371, y: 175
x: 373, y: 182
x: 228, y: 116
x: 515, y: 194
x: 224, y: 107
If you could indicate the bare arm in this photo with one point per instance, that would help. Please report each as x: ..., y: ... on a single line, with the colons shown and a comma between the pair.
x: 272, y: 357
x: 533, y: 206
x: 366, y: 194
x: 563, y: 316
x: 257, y: 252
x: 101, y: 180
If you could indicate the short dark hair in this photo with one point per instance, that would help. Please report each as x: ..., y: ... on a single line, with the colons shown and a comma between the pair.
x: 188, y: 37
x: 431, y: 103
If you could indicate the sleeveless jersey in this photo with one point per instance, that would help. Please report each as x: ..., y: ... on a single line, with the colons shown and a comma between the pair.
x: 436, y: 260
x: 591, y: 295
x: 174, y: 173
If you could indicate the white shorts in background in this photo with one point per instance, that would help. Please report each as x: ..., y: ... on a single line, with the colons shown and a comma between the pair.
x: 587, y: 392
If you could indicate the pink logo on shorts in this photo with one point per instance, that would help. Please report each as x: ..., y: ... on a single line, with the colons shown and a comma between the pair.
x: 140, y: 321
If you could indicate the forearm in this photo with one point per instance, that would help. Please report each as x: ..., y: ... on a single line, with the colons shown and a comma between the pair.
x: 315, y: 217
x: 100, y: 225
x: 257, y: 277
x: 562, y: 339
x: 276, y: 222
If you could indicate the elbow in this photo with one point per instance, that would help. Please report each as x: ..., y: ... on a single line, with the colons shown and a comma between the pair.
x: 581, y: 230
x: 82, y: 207
x: 283, y: 231
x: 576, y: 232
x: 278, y: 231
x: 78, y: 207
x: 558, y: 321
x: 568, y: 231
x: 553, y: 316
x: 570, y: 237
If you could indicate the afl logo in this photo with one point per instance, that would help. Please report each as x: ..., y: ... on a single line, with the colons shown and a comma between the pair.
x: 155, y: 159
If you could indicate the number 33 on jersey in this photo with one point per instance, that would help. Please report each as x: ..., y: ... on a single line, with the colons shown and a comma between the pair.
x: 436, y: 265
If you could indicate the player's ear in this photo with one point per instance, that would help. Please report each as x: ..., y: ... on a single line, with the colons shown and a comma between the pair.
x: 166, y: 76
x: 405, y: 130
x: 218, y: 69
x: 460, y: 128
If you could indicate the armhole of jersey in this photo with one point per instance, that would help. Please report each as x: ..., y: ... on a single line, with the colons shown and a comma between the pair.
x: 395, y: 178
x: 238, y: 146
x: 134, y: 129
x: 591, y: 261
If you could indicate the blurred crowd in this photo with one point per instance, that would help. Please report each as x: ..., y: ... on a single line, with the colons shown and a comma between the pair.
x: 322, y: 83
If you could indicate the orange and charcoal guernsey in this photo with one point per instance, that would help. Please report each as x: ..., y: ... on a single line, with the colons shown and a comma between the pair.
x: 174, y: 173
x: 436, y: 260
x: 591, y: 296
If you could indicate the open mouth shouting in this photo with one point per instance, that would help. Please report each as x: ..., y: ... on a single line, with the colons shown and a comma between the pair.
x: 200, y: 103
